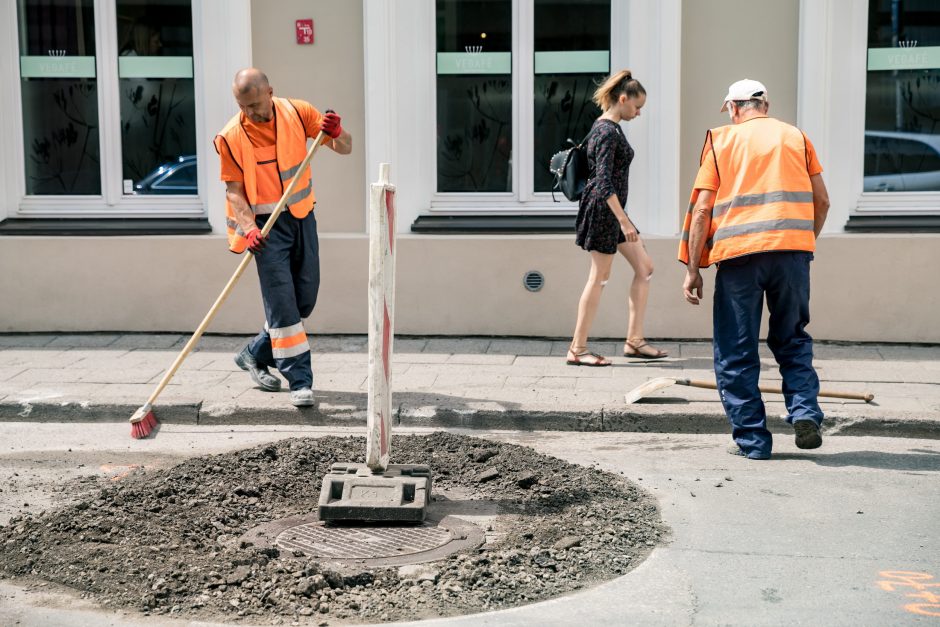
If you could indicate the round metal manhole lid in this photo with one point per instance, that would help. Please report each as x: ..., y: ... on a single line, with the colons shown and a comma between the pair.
x: 367, y: 545
x: 320, y: 541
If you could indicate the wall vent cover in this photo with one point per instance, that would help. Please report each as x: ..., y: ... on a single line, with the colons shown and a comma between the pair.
x: 533, y: 280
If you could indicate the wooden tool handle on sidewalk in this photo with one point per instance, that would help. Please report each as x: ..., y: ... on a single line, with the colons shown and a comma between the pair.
x: 246, y: 259
x: 710, y: 385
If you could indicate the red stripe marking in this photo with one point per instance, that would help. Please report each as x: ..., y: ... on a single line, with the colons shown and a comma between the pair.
x: 383, y: 438
x: 390, y: 211
x: 386, y: 340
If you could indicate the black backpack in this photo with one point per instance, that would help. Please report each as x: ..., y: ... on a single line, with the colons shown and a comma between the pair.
x: 570, y: 167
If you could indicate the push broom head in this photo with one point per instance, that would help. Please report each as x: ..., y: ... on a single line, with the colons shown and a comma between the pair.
x: 644, y: 390
x: 142, y: 422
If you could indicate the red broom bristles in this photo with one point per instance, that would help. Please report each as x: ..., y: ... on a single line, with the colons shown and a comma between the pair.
x: 142, y: 422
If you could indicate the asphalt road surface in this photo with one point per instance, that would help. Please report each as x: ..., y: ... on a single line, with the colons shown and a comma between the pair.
x: 846, y: 535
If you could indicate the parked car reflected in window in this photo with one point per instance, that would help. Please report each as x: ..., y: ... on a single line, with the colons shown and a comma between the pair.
x: 901, y: 162
x: 175, y: 177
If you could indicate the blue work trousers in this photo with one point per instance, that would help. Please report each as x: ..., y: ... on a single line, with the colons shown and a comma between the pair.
x: 289, y: 273
x: 740, y: 287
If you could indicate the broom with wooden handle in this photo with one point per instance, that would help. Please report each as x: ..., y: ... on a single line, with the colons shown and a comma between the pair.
x: 143, y: 421
x: 653, y: 385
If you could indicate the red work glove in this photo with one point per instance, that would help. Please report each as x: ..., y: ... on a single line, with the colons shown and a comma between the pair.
x: 256, y: 241
x: 331, y: 124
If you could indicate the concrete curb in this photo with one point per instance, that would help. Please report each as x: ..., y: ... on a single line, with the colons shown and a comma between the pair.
x: 639, y: 419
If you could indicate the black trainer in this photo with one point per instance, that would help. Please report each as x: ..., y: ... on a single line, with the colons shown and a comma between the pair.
x: 807, y: 434
x: 259, y: 374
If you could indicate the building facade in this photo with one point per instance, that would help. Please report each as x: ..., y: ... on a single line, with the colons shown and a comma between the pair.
x: 112, y: 214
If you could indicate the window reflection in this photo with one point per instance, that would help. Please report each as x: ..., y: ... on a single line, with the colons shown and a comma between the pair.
x: 157, y: 92
x: 60, y: 97
x: 474, y: 95
x: 572, y: 56
x: 902, y: 113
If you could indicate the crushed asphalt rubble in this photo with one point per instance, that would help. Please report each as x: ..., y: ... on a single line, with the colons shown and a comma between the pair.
x: 168, y: 542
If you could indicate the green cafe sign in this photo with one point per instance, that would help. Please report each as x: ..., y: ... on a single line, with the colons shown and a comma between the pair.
x: 926, y: 58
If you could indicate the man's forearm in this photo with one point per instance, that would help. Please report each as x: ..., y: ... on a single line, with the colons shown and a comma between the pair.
x: 819, y: 218
x: 820, y: 203
x: 699, y: 227
x: 243, y: 213
x: 697, y: 232
x: 342, y: 144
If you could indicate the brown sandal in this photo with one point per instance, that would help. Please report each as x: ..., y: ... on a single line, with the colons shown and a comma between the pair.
x: 598, y: 360
x: 635, y: 352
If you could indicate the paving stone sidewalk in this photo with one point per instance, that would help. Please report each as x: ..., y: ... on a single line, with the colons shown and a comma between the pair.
x: 490, y: 383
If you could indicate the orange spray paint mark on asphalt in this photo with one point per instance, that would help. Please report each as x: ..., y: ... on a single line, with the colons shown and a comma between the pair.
x: 119, y: 471
x: 921, y: 586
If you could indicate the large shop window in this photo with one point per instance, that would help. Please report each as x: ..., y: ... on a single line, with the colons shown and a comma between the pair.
x: 514, y: 81
x: 108, y: 107
x: 902, y: 105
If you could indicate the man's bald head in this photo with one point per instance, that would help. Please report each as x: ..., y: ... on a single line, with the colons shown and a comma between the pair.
x: 253, y: 93
x: 250, y: 79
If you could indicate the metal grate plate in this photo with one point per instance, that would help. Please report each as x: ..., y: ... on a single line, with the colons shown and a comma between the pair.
x: 317, y: 540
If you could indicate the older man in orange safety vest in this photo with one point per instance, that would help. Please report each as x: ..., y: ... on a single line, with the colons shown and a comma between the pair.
x: 261, y: 149
x: 758, y: 205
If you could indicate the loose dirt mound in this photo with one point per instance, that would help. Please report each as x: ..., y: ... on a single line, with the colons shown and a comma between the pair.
x: 166, y: 542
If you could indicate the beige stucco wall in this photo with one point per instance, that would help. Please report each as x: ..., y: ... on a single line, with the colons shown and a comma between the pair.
x: 873, y: 288
x: 865, y: 287
x: 724, y: 41
x: 328, y: 74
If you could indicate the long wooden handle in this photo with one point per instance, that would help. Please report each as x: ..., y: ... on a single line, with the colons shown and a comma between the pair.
x: 246, y: 259
x: 710, y: 385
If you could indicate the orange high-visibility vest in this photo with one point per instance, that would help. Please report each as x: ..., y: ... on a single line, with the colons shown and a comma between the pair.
x: 764, y: 200
x: 291, y: 148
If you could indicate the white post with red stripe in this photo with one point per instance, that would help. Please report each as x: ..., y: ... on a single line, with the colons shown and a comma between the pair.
x: 381, y: 319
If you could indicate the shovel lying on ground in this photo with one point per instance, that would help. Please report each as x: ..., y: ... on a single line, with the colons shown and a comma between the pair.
x: 653, y: 385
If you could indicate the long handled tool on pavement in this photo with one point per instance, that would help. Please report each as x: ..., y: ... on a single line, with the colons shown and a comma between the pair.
x: 143, y: 421
x: 654, y: 385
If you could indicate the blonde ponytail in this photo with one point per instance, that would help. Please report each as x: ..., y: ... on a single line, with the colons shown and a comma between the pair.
x: 621, y: 82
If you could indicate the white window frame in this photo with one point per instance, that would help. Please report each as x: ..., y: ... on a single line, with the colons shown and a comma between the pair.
x: 221, y: 45
x: 400, y: 77
x: 831, y: 109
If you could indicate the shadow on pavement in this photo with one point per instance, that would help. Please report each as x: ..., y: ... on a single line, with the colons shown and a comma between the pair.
x: 918, y: 459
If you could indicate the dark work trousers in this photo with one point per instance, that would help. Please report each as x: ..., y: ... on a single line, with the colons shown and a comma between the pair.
x: 740, y: 287
x: 289, y: 273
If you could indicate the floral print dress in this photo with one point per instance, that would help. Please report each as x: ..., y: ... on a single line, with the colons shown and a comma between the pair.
x: 609, y: 155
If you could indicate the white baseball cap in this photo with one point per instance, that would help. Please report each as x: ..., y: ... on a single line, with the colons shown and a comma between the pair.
x: 745, y: 89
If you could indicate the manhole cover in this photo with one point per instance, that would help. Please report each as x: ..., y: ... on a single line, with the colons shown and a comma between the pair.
x: 317, y: 540
x: 368, y: 545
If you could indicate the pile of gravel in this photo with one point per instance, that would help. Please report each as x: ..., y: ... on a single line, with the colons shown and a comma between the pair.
x: 167, y: 542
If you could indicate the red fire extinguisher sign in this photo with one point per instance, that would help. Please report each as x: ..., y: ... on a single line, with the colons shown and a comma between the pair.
x: 304, y: 30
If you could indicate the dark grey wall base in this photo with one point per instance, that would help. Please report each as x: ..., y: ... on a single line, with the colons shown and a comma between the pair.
x: 104, y: 226
x: 894, y: 224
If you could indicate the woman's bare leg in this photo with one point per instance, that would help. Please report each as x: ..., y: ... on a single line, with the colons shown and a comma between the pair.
x: 590, y: 297
x: 636, y: 255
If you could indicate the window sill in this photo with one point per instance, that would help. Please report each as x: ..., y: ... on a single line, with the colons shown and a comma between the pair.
x: 104, y: 226
x: 893, y: 224
x: 493, y: 224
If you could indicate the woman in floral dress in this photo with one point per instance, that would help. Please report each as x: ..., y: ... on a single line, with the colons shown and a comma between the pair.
x: 603, y: 225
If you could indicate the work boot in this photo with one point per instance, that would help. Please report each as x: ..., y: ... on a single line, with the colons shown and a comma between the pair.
x: 302, y: 397
x: 259, y: 374
x: 807, y: 434
x: 734, y: 449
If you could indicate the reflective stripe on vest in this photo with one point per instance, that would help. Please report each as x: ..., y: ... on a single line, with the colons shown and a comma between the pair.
x: 264, y: 208
x: 764, y: 200
x: 289, y: 341
x: 291, y: 149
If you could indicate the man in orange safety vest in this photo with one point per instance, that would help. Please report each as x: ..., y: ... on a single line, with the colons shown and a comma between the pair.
x: 758, y: 205
x: 260, y: 150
